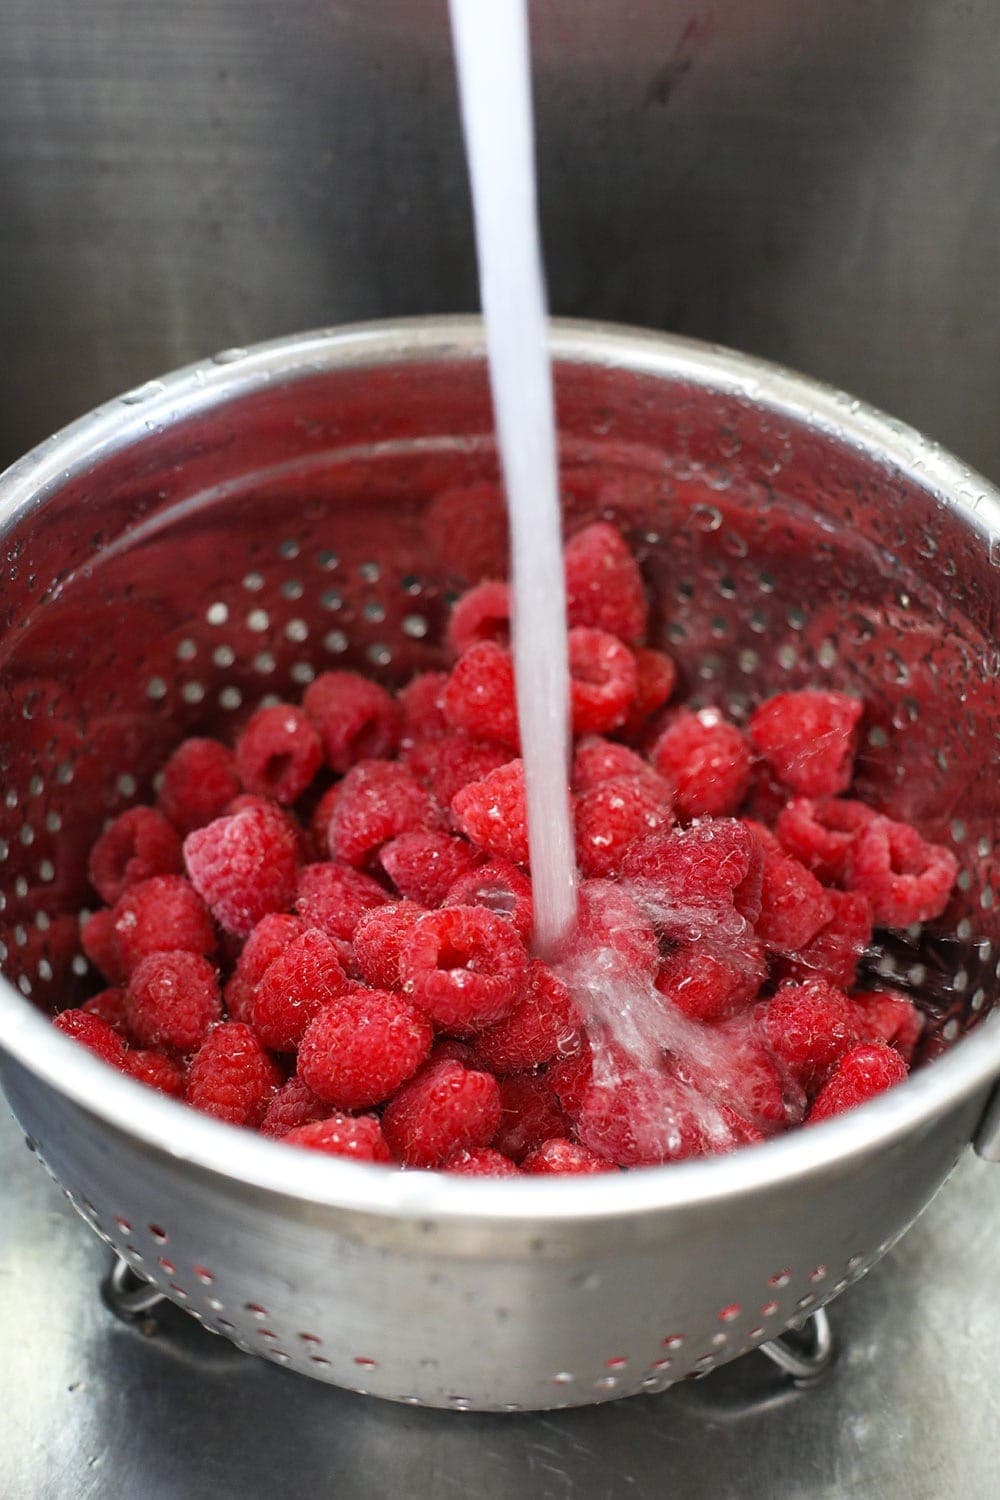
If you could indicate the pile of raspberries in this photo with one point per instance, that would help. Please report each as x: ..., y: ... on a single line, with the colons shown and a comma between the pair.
x: 324, y: 932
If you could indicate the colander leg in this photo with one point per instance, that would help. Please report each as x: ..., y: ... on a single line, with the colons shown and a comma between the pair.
x: 806, y: 1362
x: 126, y: 1291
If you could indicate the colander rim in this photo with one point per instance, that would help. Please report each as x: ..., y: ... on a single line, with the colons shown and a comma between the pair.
x: 263, y: 1165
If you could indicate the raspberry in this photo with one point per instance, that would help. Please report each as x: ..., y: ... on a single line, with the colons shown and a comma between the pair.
x: 905, y: 878
x: 569, y: 1078
x: 335, y: 897
x: 561, y: 1157
x: 708, y: 761
x: 99, y: 941
x: 110, y: 1006
x: 707, y: 876
x: 834, y: 952
x: 231, y: 1076
x: 708, y: 986
x: 379, y: 799
x: 808, y: 739
x: 481, y: 614
x: 598, y: 760
x: 767, y: 840
x: 467, y: 530
x: 809, y: 1027
x: 656, y: 678
x: 746, y: 1077
x: 357, y: 720
x: 612, y: 816
x: 295, y: 986
x: 270, y: 937
x: 278, y: 753
x: 165, y: 913
x: 319, y: 822
x: 765, y: 795
x: 420, y: 705
x: 293, y: 1106
x: 198, y: 781
x: 479, y: 698
x: 602, y: 681
x: 865, y: 1071
x: 543, y: 1023
x: 609, y: 920
x: 93, y: 1033
x: 502, y: 889
x: 445, y: 1108
x: 360, y: 1138
x: 359, y: 1049
x: 172, y: 999
x: 139, y: 844
x: 821, y: 834
x: 493, y: 812
x: 448, y: 1047
x: 604, y: 588
x: 793, y: 905
x: 446, y: 765
x: 379, y: 938
x: 280, y: 815
x: 464, y: 967
x: 157, y: 1071
x: 529, y: 1114
x: 480, y: 1163
x: 886, y: 1016
x: 243, y: 866
x: 641, y: 1119
x: 424, y: 866
x: 743, y: 1132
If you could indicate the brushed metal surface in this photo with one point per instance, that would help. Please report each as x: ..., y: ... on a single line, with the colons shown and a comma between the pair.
x: 813, y: 181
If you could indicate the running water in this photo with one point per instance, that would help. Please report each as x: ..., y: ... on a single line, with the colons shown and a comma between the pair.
x: 494, y: 74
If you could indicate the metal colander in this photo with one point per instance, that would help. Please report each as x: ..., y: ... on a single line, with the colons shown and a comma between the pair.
x: 220, y: 536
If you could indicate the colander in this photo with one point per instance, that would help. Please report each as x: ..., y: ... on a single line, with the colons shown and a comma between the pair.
x: 219, y: 536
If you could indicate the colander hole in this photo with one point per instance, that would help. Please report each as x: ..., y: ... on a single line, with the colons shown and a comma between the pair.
x: 79, y: 965
x: 374, y: 611
x: 126, y: 784
x: 855, y: 1261
x: 562, y: 1377
x: 27, y: 834
x: 978, y: 1000
x: 984, y: 847
x: 748, y: 661
x: 365, y: 1363
x: 253, y: 582
x: 415, y: 626
x: 606, y: 1382
x: 327, y: 560
x: 46, y: 870
x: 266, y: 1333
x: 156, y: 689
x: 65, y: 772
x: 157, y: 1234
x: 20, y: 886
x: 123, y: 1224
x: 957, y: 830
x: 303, y: 672
x: 411, y: 584
x: 36, y: 786
x: 223, y: 656
x: 217, y: 613
x: 780, y: 1278
x: 332, y: 600
x: 225, y: 1325
x: 826, y: 655
x: 379, y: 654
x: 318, y: 1359
x: 718, y: 1339
x: 755, y: 1333
x: 806, y: 1301
x: 310, y: 1338
x: 11, y: 797
x: 618, y: 1362
x: 24, y: 984
x: 964, y: 929
x: 256, y: 1309
x: 661, y: 1364
x: 186, y: 649
x: 214, y: 1303
x: 728, y: 1314
x: 44, y: 969
x: 264, y: 663
x: 297, y: 630
x: 53, y: 822
x: 370, y: 572
x: 787, y: 656
x: 178, y: 1291
x: 193, y: 692
x: 950, y: 1030
x: 203, y: 1274
x: 230, y: 698
x: 335, y: 641
x: 258, y: 620
x: 673, y: 1340
x: 818, y: 1274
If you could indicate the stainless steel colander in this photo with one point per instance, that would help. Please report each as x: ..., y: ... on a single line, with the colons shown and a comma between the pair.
x: 223, y: 534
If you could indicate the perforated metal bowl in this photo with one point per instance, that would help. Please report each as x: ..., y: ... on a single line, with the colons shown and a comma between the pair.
x: 226, y: 532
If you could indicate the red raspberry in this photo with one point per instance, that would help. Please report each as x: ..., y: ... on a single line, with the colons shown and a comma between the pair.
x: 493, y: 813
x: 834, y: 952
x: 479, y: 698
x: 445, y: 1108
x: 157, y: 1071
x: 93, y: 1033
x: 865, y: 1071
x: 198, y: 781
x: 455, y: 1051
x: 743, y: 1132
x: 604, y: 588
x: 335, y: 897
x: 480, y: 1163
x: 560, y: 1157
x: 359, y: 1049
x: 708, y: 986
x: 379, y: 938
x: 139, y: 844
x: 745, y: 1077
x: 172, y: 999
x: 821, y: 834
x: 360, y: 1138
x: 110, y: 1006
x: 905, y: 878
x: 467, y: 530
x: 165, y: 913
x: 705, y: 877
x: 529, y: 1114
x: 598, y: 760
x: 379, y: 799
x: 481, y: 614
x: 543, y: 1023
x: 610, y: 921
x: 886, y: 1016
x: 569, y: 1078
x: 641, y: 1119
x: 278, y: 753
x: 295, y: 986
x: 767, y: 840
x: 100, y: 943
x: 357, y: 720
x: 602, y: 681
x: 612, y: 816
x: 420, y: 702
x: 424, y: 866
x: 793, y: 905
x: 808, y: 739
x: 765, y: 794
x: 464, y: 967
x: 281, y: 815
x: 502, y: 889
x: 243, y: 866
x: 809, y: 1027
x: 708, y: 761
x: 231, y: 1076
x: 293, y: 1106
x: 656, y: 678
x: 446, y: 765
x: 270, y: 937
x: 319, y: 822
